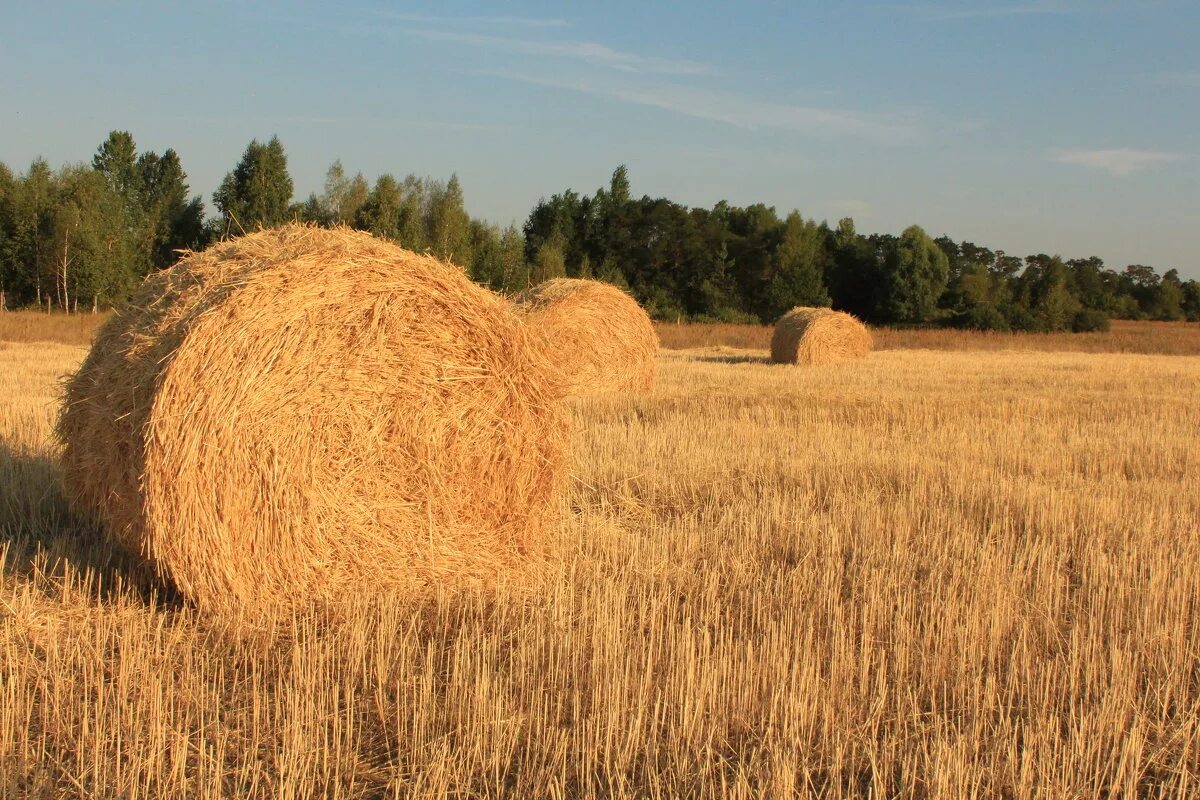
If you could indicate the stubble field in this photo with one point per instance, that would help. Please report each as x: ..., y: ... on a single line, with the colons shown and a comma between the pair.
x: 943, y: 573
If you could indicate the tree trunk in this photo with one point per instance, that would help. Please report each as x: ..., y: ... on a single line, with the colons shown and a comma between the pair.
x: 64, y: 297
x: 94, y: 299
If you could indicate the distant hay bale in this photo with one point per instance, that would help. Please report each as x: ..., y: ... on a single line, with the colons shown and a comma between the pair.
x: 818, y: 336
x: 595, y: 336
x: 299, y: 413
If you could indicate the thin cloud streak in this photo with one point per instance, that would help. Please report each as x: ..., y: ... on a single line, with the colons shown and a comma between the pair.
x: 953, y: 11
x: 744, y: 112
x: 516, y: 22
x: 589, y: 52
x: 1037, y: 8
x: 1118, y: 162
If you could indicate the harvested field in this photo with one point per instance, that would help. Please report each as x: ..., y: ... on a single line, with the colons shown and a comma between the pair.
x: 1165, y: 338
x: 930, y: 574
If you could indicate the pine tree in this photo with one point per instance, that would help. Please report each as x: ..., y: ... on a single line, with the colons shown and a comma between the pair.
x: 173, y: 221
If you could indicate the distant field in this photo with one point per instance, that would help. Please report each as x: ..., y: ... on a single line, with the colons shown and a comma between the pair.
x: 929, y: 574
x: 1167, y: 338
x: 35, y: 326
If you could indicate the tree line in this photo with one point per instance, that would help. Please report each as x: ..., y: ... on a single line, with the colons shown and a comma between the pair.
x: 87, y: 233
x: 735, y: 264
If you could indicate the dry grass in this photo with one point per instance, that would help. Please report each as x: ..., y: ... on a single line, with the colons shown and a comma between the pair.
x: 1163, y: 338
x: 593, y: 335
x: 1166, y: 338
x: 812, y: 336
x: 925, y: 574
x: 298, y: 413
x: 34, y: 326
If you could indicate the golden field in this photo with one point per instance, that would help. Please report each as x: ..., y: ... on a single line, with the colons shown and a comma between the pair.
x: 942, y: 573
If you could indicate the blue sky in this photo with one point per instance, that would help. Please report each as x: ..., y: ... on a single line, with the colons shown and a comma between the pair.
x: 1056, y: 126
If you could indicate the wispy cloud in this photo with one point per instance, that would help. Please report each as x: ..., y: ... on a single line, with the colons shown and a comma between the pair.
x: 589, y: 52
x: 950, y: 11
x: 515, y: 22
x: 1118, y: 162
x: 744, y: 112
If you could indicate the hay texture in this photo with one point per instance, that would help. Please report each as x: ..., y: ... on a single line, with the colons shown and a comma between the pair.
x: 818, y: 336
x: 593, y: 335
x: 300, y: 413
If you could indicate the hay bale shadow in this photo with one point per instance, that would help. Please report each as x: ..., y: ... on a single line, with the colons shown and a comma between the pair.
x: 43, y: 537
x: 739, y: 358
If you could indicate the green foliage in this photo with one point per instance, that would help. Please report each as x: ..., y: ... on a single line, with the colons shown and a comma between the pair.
x: 380, y: 211
x: 1190, y: 304
x: 1021, y: 318
x: 258, y: 192
x: 117, y: 160
x: 915, y: 272
x: 487, y: 263
x: 172, y: 221
x: 449, y: 224
x: 1165, y: 299
x: 88, y: 235
x: 1090, y: 319
x: 983, y: 317
x: 343, y: 197
x: 853, y: 274
x: 548, y: 262
x: 802, y: 258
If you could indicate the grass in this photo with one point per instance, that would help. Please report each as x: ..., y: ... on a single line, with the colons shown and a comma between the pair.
x: 928, y: 574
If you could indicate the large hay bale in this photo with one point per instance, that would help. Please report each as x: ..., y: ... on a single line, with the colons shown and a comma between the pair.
x: 818, y: 336
x: 595, y: 336
x: 301, y: 412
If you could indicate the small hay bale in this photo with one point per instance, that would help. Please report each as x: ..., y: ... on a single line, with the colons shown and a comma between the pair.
x: 818, y: 336
x: 595, y: 336
x: 301, y: 413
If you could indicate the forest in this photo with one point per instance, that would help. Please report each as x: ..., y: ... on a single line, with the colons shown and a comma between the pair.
x: 81, y: 237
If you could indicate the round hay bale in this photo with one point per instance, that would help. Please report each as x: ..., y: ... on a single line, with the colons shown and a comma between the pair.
x: 300, y: 412
x: 593, y: 335
x: 818, y: 336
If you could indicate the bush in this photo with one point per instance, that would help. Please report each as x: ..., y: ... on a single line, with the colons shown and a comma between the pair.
x: 1090, y: 319
x: 1022, y: 319
x: 983, y: 317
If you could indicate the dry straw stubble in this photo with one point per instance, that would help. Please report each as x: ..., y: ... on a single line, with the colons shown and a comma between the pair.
x: 594, y: 335
x: 814, y: 336
x: 301, y: 412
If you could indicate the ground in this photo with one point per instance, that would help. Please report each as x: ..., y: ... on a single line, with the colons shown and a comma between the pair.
x: 941, y: 573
